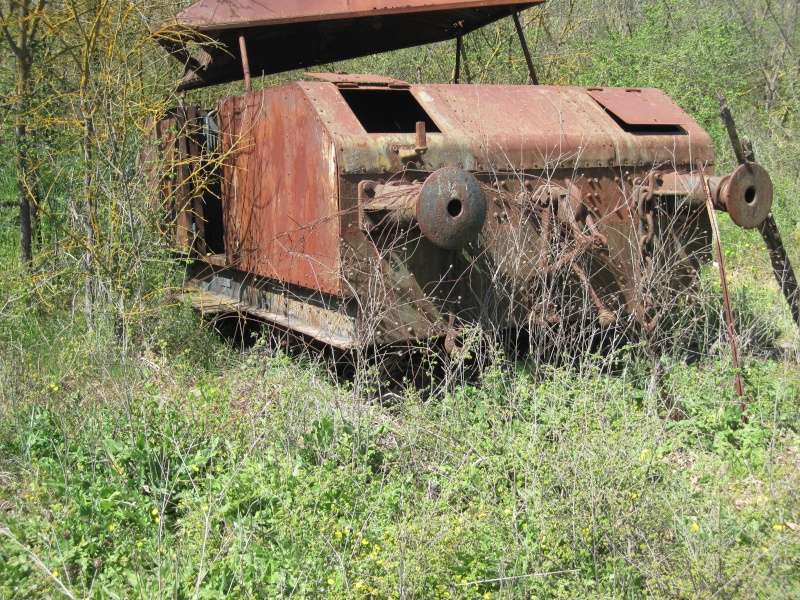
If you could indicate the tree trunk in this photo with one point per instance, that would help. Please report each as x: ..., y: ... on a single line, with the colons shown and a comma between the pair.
x: 89, y: 216
x: 25, y: 216
x: 22, y: 160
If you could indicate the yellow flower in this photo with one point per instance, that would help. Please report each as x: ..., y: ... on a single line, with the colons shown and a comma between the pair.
x: 359, y: 585
x: 694, y: 527
x: 54, y: 574
x: 331, y: 581
x: 365, y: 542
x: 779, y: 527
x: 376, y: 548
x: 154, y: 512
x: 338, y: 534
x: 111, y: 527
x: 487, y: 596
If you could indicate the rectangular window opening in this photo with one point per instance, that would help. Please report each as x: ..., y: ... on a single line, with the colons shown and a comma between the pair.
x: 387, y: 111
x: 647, y: 128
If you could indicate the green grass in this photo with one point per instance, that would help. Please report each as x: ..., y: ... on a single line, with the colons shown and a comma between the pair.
x: 187, y: 469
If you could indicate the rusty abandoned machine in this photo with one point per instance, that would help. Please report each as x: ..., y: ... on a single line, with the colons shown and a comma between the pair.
x: 359, y: 209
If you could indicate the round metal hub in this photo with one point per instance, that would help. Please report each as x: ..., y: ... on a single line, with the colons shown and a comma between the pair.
x: 747, y: 195
x: 451, y: 209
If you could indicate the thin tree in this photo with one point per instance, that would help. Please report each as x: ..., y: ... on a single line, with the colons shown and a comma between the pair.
x: 19, y: 24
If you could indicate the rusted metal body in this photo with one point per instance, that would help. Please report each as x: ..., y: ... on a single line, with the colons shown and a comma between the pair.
x: 361, y: 210
x: 280, y: 188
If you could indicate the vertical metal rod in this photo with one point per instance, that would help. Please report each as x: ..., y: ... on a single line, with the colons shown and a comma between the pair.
x: 726, y: 298
x: 781, y: 265
x: 245, y: 63
x: 422, y: 137
x: 457, y: 69
x: 730, y: 125
x: 524, y: 43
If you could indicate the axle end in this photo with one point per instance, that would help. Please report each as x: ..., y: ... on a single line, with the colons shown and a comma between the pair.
x: 747, y: 194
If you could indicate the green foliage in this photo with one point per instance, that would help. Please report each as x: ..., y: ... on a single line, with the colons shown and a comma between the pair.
x: 254, y: 477
x: 691, y: 54
x: 142, y: 457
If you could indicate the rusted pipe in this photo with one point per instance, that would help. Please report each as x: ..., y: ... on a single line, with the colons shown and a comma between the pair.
x: 422, y: 138
x: 733, y: 134
x: 746, y: 194
x: 245, y: 63
x: 726, y: 298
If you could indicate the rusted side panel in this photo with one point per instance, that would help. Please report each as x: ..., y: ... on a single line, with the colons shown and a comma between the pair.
x: 280, y: 189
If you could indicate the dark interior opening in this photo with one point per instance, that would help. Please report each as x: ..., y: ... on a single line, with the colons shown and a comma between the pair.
x: 750, y: 195
x: 277, y: 48
x: 215, y: 224
x: 454, y: 207
x: 647, y: 128
x: 387, y: 111
x: 212, y: 194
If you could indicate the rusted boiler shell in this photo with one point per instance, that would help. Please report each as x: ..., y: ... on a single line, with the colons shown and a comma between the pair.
x: 361, y: 209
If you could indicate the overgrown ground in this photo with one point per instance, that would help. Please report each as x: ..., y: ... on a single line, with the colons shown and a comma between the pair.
x: 143, y: 456
x: 191, y: 469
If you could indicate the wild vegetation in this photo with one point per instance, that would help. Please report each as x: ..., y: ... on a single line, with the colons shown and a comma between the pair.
x: 143, y: 455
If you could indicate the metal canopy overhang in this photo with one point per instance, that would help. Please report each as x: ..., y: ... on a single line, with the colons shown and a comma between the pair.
x: 283, y: 36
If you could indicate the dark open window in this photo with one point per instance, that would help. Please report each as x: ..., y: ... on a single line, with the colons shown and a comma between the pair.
x: 387, y: 111
x: 647, y: 128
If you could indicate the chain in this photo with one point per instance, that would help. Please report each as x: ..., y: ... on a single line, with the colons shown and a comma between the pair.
x: 646, y: 234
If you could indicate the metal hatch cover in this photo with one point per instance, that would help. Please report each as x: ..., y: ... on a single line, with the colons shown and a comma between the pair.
x: 639, y: 107
x: 283, y: 35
